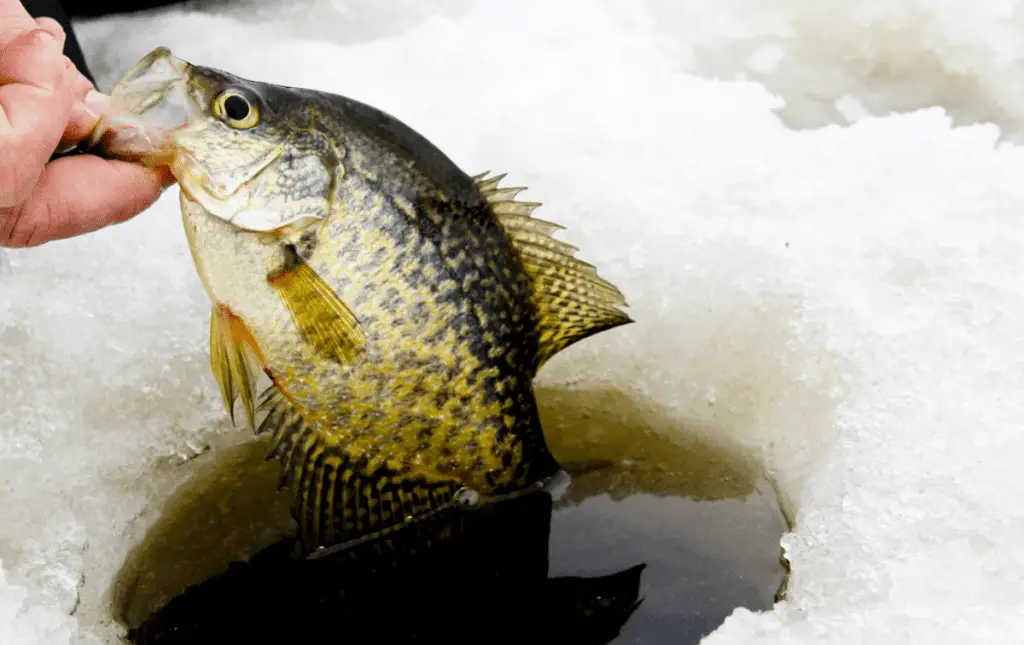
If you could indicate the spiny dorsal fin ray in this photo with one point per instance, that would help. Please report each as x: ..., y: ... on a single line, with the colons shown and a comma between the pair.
x: 531, y: 224
x: 572, y: 301
x: 543, y: 246
x: 515, y: 208
x: 336, y: 498
x: 487, y: 184
x: 233, y: 359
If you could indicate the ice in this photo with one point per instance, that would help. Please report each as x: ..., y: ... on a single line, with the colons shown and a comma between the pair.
x: 890, y: 55
x: 844, y: 301
x: 24, y: 624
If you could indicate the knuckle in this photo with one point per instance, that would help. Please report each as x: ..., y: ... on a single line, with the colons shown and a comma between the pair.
x: 36, y: 59
x: 30, y: 224
x: 43, y: 42
x: 17, y: 176
x: 8, y: 220
x: 14, y: 189
x: 12, y: 229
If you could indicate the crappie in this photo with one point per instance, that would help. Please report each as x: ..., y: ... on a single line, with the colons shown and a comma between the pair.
x: 399, y: 306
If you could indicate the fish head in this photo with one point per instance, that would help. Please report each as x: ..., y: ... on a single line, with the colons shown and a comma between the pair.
x: 232, y: 144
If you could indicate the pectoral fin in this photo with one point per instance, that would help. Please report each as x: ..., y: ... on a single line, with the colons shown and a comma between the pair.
x: 326, y: 322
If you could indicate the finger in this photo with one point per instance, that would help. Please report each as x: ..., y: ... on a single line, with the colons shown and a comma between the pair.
x: 81, y: 123
x: 14, y: 20
x: 77, y: 82
x: 52, y: 26
x: 34, y: 58
x: 34, y: 110
x: 87, y: 109
x: 78, y: 195
x: 85, y: 116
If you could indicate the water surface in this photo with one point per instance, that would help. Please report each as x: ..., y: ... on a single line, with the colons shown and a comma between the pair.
x: 660, y: 536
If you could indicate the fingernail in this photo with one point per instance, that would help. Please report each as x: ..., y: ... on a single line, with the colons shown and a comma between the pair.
x: 48, y: 37
x: 97, y: 102
x: 67, y: 147
x: 52, y: 27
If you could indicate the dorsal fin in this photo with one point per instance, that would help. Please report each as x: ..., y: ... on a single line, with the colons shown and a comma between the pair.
x: 572, y: 301
x: 337, y: 501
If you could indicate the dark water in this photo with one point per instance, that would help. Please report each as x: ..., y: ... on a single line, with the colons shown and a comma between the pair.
x: 657, y: 545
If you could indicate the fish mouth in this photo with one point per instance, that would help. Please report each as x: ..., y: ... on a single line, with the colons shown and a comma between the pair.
x: 149, y: 105
x: 157, y: 119
x: 160, y: 117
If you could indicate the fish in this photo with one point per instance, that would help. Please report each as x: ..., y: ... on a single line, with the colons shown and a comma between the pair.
x: 398, y: 306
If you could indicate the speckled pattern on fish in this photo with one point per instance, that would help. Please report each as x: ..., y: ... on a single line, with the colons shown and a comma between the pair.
x: 400, y: 307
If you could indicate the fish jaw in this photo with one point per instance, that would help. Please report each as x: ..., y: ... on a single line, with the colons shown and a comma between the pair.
x: 239, y: 201
x: 247, y: 196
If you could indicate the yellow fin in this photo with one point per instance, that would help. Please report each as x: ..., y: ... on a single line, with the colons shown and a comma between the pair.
x: 572, y: 301
x: 233, y: 352
x: 337, y: 499
x: 324, y: 320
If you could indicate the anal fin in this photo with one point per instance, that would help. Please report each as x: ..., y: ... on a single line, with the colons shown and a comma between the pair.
x: 338, y: 500
x: 572, y: 301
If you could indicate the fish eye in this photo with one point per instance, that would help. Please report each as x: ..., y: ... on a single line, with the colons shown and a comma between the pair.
x: 236, y: 110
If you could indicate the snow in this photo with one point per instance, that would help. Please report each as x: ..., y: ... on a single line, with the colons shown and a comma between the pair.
x: 837, y: 292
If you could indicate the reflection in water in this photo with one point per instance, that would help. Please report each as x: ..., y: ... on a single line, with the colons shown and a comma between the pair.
x: 648, y: 449
x: 488, y: 584
x: 660, y: 536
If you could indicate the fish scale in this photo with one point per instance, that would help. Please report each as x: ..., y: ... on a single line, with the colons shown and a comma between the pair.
x: 400, y: 307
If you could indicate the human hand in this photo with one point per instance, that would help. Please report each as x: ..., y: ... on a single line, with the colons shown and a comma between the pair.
x: 46, y: 103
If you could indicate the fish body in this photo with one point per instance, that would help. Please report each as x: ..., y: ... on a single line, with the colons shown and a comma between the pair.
x: 399, y: 306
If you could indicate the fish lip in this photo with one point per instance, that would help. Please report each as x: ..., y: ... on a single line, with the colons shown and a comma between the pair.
x: 150, y: 82
x: 150, y: 103
x: 180, y: 68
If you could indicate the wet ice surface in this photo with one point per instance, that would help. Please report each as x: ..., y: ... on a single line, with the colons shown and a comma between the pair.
x: 682, y: 526
x: 843, y: 302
